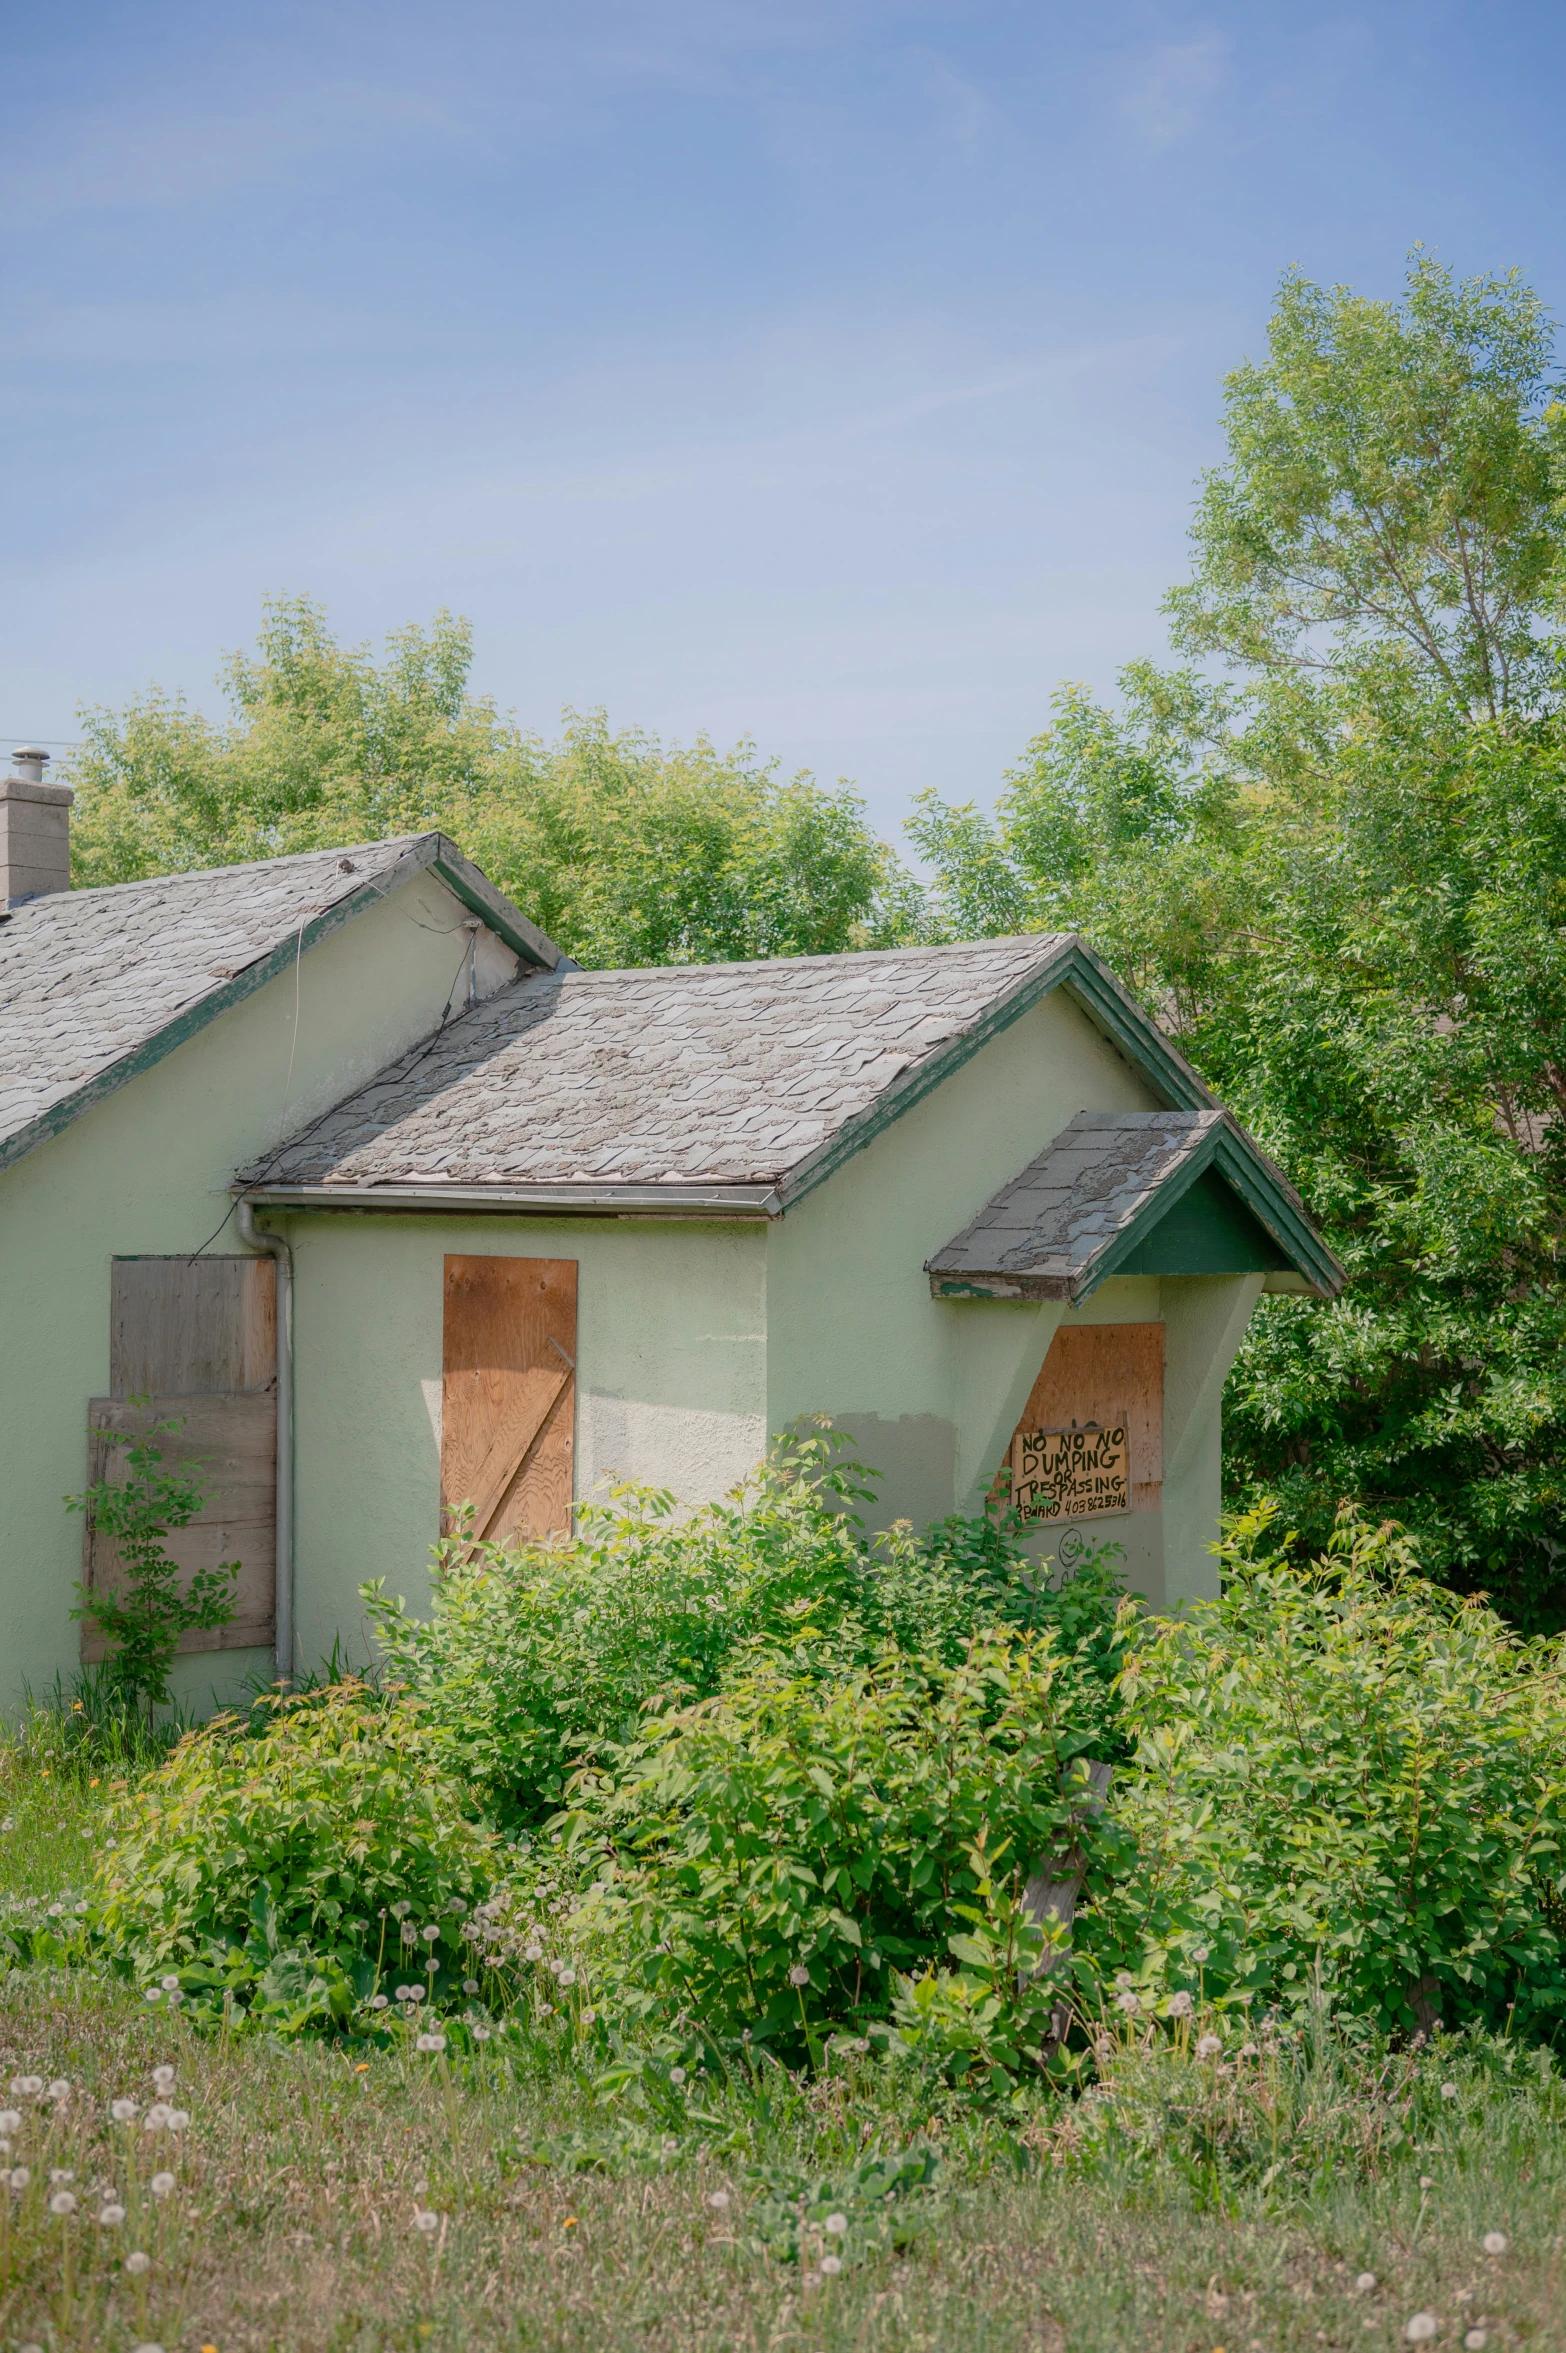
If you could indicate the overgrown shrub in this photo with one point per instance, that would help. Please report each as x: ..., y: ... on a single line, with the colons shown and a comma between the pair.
x: 533, y: 1654
x: 1344, y: 1773
x: 290, y: 1874
x: 770, y: 1861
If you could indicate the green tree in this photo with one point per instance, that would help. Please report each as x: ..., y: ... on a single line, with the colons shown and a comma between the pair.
x: 625, y: 850
x: 1389, y: 482
x: 1340, y: 877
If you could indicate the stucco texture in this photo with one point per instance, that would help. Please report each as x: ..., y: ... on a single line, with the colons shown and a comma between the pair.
x: 671, y: 1388
x: 147, y: 1171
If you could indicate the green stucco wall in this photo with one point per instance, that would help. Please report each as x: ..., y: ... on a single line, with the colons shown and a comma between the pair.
x: 932, y: 1389
x: 147, y: 1171
x: 670, y: 1360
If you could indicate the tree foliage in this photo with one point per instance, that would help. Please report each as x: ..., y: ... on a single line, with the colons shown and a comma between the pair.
x: 1389, y: 482
x: 625, y: 850
x: 1339, y: 875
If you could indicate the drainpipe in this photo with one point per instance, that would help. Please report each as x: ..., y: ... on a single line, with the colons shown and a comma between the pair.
x: 281, y: 1253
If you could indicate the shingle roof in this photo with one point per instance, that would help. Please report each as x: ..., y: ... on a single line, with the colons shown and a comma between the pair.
x: 94, y: 984
x: 1049, y: 1233
x: 716, y: 1074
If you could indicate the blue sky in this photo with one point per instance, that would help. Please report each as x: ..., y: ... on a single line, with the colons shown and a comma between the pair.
x: 831, y: 372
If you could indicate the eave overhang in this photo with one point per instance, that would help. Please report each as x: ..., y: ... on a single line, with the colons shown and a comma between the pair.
x: 755, y: 1202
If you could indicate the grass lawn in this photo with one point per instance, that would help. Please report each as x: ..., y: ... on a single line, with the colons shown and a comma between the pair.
x: 291, y: 2219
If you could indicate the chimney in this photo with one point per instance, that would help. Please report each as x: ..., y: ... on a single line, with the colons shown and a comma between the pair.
x: 35, y: 830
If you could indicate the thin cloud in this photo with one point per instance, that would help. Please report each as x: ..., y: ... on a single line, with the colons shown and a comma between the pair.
x: 1167, y: 91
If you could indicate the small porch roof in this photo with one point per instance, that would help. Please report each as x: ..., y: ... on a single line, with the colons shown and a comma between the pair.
x: 1137, y: 1192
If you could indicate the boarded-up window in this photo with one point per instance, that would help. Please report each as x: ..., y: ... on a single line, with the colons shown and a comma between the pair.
x: 197, y: 1338
x: 1107, y: 1378
x: 508, y: 1395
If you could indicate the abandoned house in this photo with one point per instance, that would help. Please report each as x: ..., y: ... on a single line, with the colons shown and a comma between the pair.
x: 337, y: 1161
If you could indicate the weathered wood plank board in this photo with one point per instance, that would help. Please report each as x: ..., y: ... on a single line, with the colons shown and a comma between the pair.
x: 181, y: 1326
x: 508, y: 1394
x: 1107, y: 1373
x: 235, y: 1441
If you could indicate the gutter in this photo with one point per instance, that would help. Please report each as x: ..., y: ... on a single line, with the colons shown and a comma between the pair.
x: 281, y: 1253
x: 679, y: 1201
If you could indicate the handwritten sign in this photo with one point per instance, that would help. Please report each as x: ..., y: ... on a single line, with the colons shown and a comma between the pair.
x: 1071, y: 1474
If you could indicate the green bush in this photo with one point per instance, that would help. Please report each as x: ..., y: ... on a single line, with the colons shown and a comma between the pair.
x: 293, y: 1875
x: 1345, y: 1774
x: 535, y: 1653
x: 771, y: 1862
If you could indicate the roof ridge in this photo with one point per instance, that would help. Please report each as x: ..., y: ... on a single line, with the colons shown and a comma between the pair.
x: 145, y: 882
x: 858, y: 957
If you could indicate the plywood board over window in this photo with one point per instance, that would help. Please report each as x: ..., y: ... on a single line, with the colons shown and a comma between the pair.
x: 1111, y: 1376
x: 193, y: 1341
x: 508, y: 1395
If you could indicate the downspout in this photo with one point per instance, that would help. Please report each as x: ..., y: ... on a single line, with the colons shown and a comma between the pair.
x: 281, y: 1253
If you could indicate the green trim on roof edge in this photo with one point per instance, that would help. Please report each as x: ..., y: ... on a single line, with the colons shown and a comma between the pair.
x: 1091, y: 986
x: 1230, y: 1152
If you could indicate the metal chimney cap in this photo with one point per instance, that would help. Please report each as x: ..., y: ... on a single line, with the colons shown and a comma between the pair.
x: 28, y: 751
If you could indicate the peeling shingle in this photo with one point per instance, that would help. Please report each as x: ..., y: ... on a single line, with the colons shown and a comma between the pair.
x: 720, y: 1074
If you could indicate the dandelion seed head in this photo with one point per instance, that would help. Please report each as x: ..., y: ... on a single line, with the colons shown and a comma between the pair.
x: 27, y: 2087
x: 534, y: 1952
x: 1209, y: 2047
x: 425, y: 2219
x: 1181, y: 2005
x: 799, y: 1974
x: 10, y: 2120
x: 1495, y: 2242
x: 111, y: 2217
x: 470, y: 1985
x: 831, y: 2263
x: 430, y: 2042
x: 178, y: 2119
x: 1476, y: 2340
x: 59, y: 2089
x: 161, y: 2184
x: 63, y: 2204
x: 157, y: 2117
x: 123, y: 2111
x: 154, y: 1993
x: 431, y: 1935
x: 1422, y: 2327
x: 409, y: 1933
x: 379, y: 2002
x: 401, y: 1911
x: 1427, y: 2181
x: 1129, y: 2002
x: 837, y: 2224
x: 19, y: 2177
x: 1365, y: 2282
x: 136, y: 2263
x: 170, y: 1984
x: 718, y: 2200
x: 676, y: 2076
x: 481, y: 2034
x: 1449, y: 2091
x: 59, y: 2175
x: 163, y: 2078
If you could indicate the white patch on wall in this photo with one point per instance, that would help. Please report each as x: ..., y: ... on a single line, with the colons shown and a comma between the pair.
x: 696, y: 1451
x: 432, y: 1407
